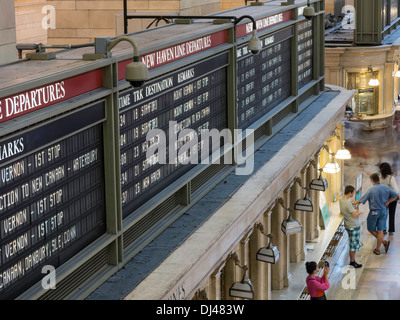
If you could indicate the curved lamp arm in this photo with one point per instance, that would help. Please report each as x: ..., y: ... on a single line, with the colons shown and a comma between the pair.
x: 298, y: 180
x: 269, y: 235
x: 112, y: 43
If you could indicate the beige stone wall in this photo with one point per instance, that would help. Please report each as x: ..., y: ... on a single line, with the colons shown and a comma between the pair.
x: 28, y: 21
x: 7, y: 32
x: 231, y: 4
x: 199, y: 7
x: 80, y: 21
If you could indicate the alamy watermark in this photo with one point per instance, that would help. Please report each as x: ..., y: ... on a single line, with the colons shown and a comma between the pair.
x: 188, y: 146
x: 49, y: 280
x: 349, y: 281
x: 49, y: 20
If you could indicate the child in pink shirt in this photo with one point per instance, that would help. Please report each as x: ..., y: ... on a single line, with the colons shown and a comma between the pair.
x: 316, y: 285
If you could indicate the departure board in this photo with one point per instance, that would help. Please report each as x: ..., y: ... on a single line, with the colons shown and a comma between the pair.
x: 305, y: 50
x: 263, y: 80
x: 51, y: 196
x: 188, y: 100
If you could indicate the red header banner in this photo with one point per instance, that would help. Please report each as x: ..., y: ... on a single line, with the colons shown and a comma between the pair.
x: 32, y: 100
x: 245, y: 29
x: 182, y: 50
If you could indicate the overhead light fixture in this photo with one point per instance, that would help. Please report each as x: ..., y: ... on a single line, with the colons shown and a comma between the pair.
x: 304, y: 204
x: 269, y: 254
x: 374, y: 81
x: 320, y: 184
x: 243, y: 289
x: 343, y: 154
x: 332, y: 167
x: 290, y: 225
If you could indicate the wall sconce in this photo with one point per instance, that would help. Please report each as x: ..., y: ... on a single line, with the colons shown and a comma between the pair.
x: 243, y: 289
x: 320, y: 184
x: 270, y: 253
x: 289, y: 225
x: 304, y: 204
x: 342, y: 154
x: 333, y: 166
x: 374, y: 81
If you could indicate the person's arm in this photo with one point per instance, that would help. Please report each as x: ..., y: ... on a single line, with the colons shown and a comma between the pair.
x: 356, y: 213
x: 363, y: 199
x: 390, y: 201
x: 322, y: 283
x: 393, y: 196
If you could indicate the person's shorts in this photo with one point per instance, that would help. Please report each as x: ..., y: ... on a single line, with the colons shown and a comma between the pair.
x: 354, y: 239
x: 376, y: 220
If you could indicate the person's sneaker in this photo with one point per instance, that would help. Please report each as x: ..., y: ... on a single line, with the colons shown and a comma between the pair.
x: 355, y: 264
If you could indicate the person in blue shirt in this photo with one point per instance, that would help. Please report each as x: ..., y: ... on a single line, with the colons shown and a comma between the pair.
x: 379, y: 196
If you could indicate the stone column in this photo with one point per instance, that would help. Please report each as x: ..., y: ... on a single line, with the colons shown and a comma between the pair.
x: 215, y: 283
x: 315, y: 199
x: 279, y: 271
x: 388, y: 88
x: 312, y: 227
x: 230, y: 275
x: 259, y: 271
x: 296, y: 240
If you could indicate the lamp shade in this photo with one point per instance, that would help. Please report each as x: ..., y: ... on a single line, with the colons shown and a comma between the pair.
x: 290, y: 226
x: 319, y: 184
x: 304, y: 204
x: 373, y: 82
x: 343, y: 154
x: 332, y: 167
x: 243, y: 289
x: 268, y: 254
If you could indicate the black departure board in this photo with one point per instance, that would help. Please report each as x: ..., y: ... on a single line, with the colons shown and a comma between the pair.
x: 263, y: 80
x: 180, y: 105
x: 51, y: 196
x: 305, y: 51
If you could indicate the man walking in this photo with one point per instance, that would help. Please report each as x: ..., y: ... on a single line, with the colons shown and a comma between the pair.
x: 379, y: 196
x: 351, y: 223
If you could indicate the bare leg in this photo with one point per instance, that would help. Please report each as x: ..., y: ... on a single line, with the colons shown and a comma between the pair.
x: 379, y: 239
x: 374, y: 233
x: 352, y: 256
